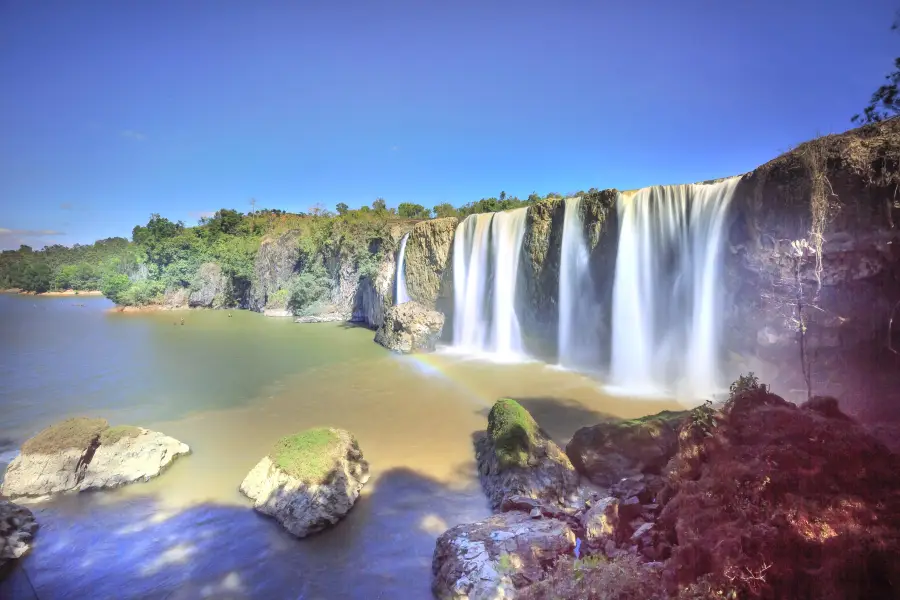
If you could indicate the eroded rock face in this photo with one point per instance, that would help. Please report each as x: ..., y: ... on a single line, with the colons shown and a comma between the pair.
x: 541, y: 470
x: 100, y: 466
x: 210, y: 287
x: 276, y: 261
x: 490, y: 559
x: 410, y: 327
x: 306, y: 506
x: 428, y: 262
x: 607, y: 452
x: 17, y: 528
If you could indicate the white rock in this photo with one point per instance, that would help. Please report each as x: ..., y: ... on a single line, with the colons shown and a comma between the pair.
x: 17, y: 527
x: 102, y: 466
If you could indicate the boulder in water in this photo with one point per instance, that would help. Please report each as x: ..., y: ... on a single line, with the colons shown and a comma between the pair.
x: 82, y: 454
x: 515, y: 457
x: 607, y: 452
x: 410, y: 327
x: 17, y: 528
x: 309, y: 481
x: 492, y: 558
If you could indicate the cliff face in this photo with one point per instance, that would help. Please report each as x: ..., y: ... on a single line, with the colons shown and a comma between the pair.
x: 276, y: 261
x: 429, y: 263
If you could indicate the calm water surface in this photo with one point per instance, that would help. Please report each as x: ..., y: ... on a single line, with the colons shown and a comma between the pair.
x: 230, y: 387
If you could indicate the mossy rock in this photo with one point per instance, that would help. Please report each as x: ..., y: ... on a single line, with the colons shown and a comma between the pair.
x: 614, y: 449
x: 514, y: 433
x: 309, y: 456
x: 78, y: 433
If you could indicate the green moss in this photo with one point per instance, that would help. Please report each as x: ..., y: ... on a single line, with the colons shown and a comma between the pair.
x: 114, y: 434
x: 513, y: 431
x: 78, y: 433
x: 309, y: 455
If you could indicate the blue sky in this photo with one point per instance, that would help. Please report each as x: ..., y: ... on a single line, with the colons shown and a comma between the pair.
x: 114, y: 110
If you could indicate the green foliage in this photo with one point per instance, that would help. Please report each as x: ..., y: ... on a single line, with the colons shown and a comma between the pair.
x: 114, y: 285
x: 309, y: 455
x: 513, y: 431
x: 278, y: 299
x: 885, y: 101
x: 142, y: 293
x: 703, y: 419
x: 444, y: 209
x: 746, y: 383
x: 308, y: 289
x: 36, y: 277
x: 342, y: 208
x: 409, y: 210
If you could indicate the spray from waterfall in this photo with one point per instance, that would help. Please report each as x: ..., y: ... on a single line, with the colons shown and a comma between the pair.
x: 486, y: 252
x: 666, y: 309
x: 578, y: 343
x: 400, y: 293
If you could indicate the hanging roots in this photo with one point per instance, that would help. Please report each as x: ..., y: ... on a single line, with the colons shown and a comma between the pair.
x: 823, y: 200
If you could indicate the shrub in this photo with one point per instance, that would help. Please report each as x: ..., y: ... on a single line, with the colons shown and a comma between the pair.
x: 308, y: 288
x: 142, y: 293
x: 595, y: 578
x: 78, y: 433
x: 114, y: 285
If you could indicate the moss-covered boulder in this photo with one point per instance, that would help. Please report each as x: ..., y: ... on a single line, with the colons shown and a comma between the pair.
x: 82, y: 454
x: 515, y: 457
x: 607, y: 452
x: 308, y: 481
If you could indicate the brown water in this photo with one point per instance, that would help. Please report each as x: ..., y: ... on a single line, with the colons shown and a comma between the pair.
x: 229, y: 387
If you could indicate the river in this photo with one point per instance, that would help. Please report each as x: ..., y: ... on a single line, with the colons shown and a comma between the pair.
x: 229, y: 384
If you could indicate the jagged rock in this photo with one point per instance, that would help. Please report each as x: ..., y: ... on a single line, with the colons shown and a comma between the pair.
x: 642, y: 486
x: 515, y: 457
x: 410, y: 327
x: 210, y: 287
x: 86, y: 454
x: 277, y: 312
x: 601, y: 522
x: 490, y: 559
x: 17, y: 528
x: 309, y: 481
x: 607, y: 452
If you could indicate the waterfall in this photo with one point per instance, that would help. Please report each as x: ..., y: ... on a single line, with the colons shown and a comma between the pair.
x: 486, y: 252
x: 578, y: 344
x: 666, y: 311
x: 400, y: 294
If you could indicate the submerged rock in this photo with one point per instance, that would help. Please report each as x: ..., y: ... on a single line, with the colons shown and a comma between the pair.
x: 607, y: 452
x: 410, y: 327
x: 17, y: 528
x: 515, y: 457
x: 490, y: 559
x: 87, y: 454
x: 309, y: 481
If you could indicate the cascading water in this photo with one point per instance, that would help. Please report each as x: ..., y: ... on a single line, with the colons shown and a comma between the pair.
x: 666, y: 311
x: 400, y: 293
x: 578, y: 346
x: 486, y: 251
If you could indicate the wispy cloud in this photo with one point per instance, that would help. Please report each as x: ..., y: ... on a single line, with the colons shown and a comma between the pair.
x: 201, y: 214
x: 131, y: 134
x: 30, y: 232
x: 13, y: 238
x: 66, y: 206
x: 394, y: 148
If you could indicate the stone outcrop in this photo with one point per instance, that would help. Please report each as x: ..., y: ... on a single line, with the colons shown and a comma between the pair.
x: 277, y: 259
x: 210, y: 288
x: 610, y: 451
x: 429, y: 276
x: 515, y: 457
x: 17, y: 529
x: 309, y: 481
x: 86, y: 454
x: 410, y: 327
x: 490, y: 559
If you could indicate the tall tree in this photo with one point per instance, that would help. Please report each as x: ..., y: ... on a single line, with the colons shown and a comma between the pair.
x: 885, y: 102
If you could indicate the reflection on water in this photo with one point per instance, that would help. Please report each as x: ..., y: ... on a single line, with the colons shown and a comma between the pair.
x: 230, y: 387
